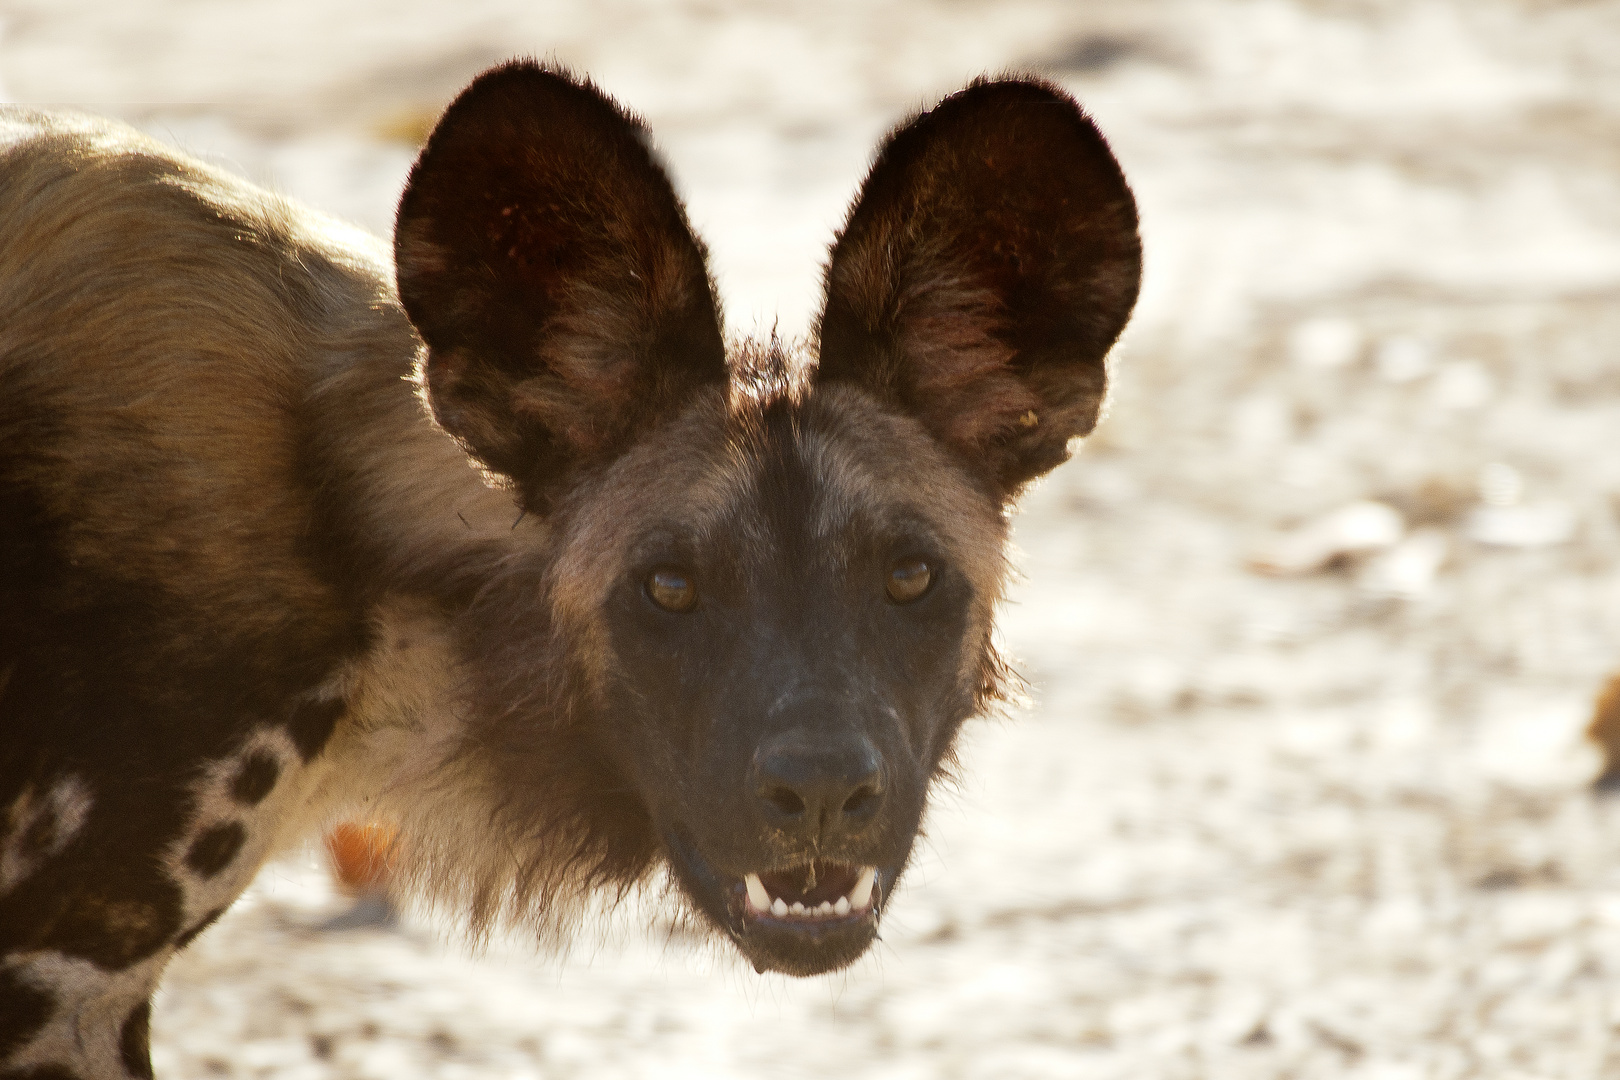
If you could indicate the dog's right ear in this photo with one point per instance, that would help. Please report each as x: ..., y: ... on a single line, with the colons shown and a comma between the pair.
x: 545, y: 260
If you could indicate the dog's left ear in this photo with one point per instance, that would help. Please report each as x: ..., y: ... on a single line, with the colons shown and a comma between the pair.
x: 988, y: 265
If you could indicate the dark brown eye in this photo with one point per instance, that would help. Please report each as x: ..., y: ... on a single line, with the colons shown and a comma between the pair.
x: 671, y: 589
x: 908, y: 580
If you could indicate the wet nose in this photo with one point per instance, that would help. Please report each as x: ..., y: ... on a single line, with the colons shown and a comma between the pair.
x: 815, y: 785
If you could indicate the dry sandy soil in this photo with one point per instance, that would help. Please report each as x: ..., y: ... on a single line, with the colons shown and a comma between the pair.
x: 1329, y: 820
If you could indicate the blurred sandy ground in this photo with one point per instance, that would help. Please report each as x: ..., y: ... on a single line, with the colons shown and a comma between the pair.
x: 1325, y: 820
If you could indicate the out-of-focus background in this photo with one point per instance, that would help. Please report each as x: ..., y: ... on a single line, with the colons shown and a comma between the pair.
x: 1313, y: 623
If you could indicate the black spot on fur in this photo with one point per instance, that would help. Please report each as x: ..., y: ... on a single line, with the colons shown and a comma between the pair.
x: 311, y: 724
x: 191, y: 935
x: 88, y: 693
x: 213, y: 850
x: 134, y: 1042
x: 112, y: 930
x: 23, y: 1011
x: 255, y: 779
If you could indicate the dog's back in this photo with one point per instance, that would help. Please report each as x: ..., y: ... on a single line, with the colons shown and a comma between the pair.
x: 161, y: 326
x: 168, y: 586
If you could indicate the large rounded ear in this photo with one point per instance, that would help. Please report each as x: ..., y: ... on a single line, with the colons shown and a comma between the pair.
x: 547, y: 263
x: 989, y: 263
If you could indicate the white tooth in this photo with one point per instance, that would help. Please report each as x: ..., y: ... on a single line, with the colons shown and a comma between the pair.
x: 825, y: 909
x: 758, y: 898
x: 861, y: 894
x: 797, y: 908
x: 842, y: 907
x: 779, y: 908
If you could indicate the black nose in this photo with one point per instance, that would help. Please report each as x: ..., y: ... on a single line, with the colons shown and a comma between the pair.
x: 817, y: 785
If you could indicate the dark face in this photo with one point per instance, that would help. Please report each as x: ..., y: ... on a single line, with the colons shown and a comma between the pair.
x: 766, y: 619
x: 796, y: 635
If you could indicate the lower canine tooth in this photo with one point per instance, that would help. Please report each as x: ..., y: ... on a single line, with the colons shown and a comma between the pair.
x: 861, y: 894
x: 779, y: 908
x: 758, y: 898
x: 842, y: 907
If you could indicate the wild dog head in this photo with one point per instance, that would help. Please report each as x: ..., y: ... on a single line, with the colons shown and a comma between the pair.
x: 765, y: 608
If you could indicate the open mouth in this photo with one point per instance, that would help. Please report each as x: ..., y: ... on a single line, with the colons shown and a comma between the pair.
x: 804, y: 919
x: 815, y: 892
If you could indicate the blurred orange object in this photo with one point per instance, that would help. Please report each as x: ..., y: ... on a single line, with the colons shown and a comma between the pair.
x: 362, y: 857
x: 1605, y: 731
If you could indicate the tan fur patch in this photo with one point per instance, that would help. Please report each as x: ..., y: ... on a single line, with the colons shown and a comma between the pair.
x: 211, y: 361
x: 38, y: 825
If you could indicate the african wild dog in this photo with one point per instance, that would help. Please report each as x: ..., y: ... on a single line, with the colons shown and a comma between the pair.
x: 615, y: 600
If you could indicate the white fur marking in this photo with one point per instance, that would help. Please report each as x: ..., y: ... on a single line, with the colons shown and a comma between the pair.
x: 37, y: 828
x: 90, y: 1007
x: 216, y: 805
